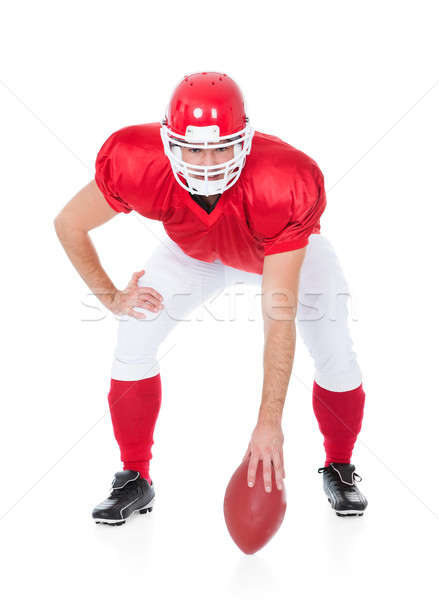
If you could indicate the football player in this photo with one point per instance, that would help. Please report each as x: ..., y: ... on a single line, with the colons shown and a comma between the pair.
x: 236, y: 204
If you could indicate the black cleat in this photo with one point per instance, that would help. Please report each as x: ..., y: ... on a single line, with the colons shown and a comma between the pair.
x: 343, y: 495
x: 130, y: 493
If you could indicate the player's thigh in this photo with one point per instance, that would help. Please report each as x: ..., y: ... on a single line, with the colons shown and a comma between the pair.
x: 322, y: 316
x: 243, y: 290
x: 184, y: 284
x: 322, y: 284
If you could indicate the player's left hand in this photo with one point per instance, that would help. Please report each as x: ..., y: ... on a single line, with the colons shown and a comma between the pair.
x: 266, y: 444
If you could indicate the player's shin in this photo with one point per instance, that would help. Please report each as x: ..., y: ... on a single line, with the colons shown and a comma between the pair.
x: 339, y: 415
x: 134, y: 408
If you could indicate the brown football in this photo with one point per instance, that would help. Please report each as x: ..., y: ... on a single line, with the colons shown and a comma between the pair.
x: 253, y: 515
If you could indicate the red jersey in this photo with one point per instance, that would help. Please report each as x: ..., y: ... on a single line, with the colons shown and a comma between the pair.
x: 273, y: 207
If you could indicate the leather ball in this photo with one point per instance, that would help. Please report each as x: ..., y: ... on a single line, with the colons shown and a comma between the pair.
x: 253, y: 515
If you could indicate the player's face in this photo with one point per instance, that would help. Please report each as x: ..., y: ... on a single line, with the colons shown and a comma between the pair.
x: 206, y: 158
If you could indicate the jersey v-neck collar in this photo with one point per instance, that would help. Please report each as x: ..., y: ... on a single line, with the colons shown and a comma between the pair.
x: 208, y: 219
x: 200, y: 200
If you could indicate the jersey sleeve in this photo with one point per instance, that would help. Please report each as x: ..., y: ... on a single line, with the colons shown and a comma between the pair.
x: 108, y: 173
x: 299, y: 217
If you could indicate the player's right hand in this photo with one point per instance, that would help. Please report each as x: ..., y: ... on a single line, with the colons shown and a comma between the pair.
x: 134, y: 296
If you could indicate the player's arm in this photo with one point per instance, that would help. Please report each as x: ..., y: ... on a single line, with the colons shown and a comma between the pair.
x: 85, y: 211
x: 280, y: 284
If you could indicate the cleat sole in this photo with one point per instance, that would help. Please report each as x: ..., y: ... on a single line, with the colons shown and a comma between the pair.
x: 145, y: 510
x: 346, y: 513
x: 114, y: 522
x: 349, y: 514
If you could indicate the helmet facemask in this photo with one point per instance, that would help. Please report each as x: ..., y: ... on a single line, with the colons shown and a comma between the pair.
x: 197, y: 179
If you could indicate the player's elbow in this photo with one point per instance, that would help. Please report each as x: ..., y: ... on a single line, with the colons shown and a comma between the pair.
x: 57, y: 223
x: 62, y: 225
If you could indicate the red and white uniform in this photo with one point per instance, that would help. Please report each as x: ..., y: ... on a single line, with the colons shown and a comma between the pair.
x: 271, y: 199
x: 273, y: 207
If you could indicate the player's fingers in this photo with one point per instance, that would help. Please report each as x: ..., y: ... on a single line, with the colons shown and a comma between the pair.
x: 151, y: 306
x: 150, y: 298
x: 246, y: 453
x: 136, y: 314
x: 277, y: 463
x: 267, y: 472
x: 251, y: 473
x: 136, y: 276
x: 152, y: 291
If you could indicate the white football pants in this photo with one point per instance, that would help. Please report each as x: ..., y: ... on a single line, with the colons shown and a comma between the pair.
x: 186, y: 283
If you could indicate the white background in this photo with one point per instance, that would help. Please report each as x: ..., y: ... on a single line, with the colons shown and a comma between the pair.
x: 354, y: 85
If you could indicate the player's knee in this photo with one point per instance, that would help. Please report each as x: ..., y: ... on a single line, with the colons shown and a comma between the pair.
x: 134, y: 368
x: 338, y: 371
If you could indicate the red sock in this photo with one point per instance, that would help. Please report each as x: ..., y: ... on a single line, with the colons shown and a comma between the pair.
x: 134, y: 407
x: 339, y: 415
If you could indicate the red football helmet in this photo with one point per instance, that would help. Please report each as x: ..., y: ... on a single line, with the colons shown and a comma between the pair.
x: 206, y: 110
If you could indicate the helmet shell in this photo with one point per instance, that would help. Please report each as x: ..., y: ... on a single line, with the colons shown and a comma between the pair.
x: 206, y: 99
